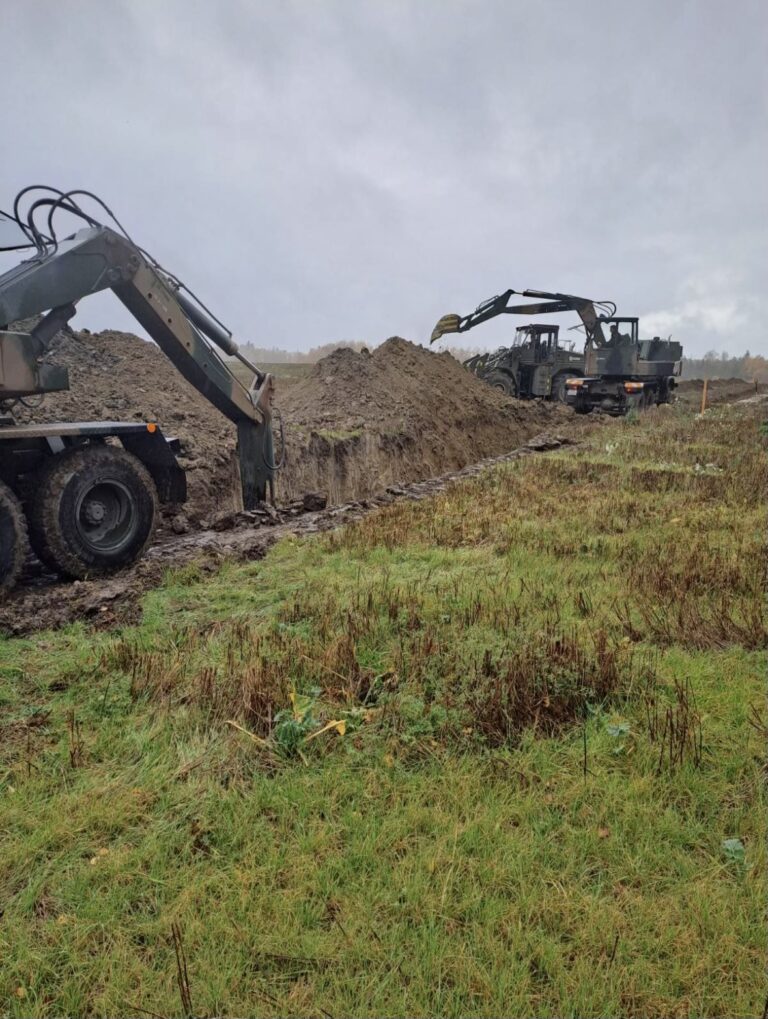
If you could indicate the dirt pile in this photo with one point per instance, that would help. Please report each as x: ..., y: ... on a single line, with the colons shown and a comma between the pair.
x: 361, y: 421
x: 116, y: 376
x: 355, y: 424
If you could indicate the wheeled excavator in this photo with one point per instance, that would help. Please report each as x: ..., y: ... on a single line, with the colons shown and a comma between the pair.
x: 617, y: 371
x: 537, y: 364
x: 85, y: 495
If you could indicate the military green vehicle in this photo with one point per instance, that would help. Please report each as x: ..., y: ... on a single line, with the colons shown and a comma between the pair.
x: 85, y: 495
x: 616, y: 373
x: 538, y: 364
x: 626, y: 373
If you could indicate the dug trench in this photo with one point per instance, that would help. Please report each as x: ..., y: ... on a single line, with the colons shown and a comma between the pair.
x: 359, y: 422
x: 42, y: 602
x: 359, y: 429
x: 354, y: 424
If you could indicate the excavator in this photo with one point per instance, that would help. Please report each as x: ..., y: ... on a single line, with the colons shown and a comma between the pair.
x: 85, y: 495
x: 537, y: 364
x: 618, y: 371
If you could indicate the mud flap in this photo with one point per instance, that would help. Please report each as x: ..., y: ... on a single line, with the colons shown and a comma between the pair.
x: 157, y: 455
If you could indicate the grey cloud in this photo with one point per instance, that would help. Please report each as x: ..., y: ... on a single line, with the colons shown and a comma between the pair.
x: 346, y: 169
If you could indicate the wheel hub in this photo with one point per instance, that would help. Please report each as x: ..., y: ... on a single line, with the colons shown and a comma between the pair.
x: 106, y: 516
x: 94, y: 512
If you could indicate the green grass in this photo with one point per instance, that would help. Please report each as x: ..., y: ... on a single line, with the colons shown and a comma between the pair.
x: 284, y: 373
x: 499, y: 830
x: 339, y: 435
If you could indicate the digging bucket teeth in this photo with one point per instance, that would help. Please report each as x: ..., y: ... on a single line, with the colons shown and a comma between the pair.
x: 447, y: 324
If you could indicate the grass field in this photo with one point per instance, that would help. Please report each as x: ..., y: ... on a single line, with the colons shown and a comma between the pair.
x: 285, y: 373
x: 496, y: 753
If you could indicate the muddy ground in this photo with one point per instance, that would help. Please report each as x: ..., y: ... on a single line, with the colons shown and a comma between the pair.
x: 718, y: 391
x: 42, y: 602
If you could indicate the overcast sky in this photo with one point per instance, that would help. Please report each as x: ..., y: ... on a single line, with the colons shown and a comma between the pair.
x: 322, y: 170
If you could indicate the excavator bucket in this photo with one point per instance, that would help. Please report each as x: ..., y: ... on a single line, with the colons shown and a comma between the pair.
x: 447, y: 324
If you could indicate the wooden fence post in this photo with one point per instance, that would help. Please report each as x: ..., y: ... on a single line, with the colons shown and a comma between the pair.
x: 704, y: 396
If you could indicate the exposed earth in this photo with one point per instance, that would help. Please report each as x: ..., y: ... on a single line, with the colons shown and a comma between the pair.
x: 361, y: 429
x: 356, y: 423
x: 718, y: 391
x: 361, y: 421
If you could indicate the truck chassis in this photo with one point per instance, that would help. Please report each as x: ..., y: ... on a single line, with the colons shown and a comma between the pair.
x: 617, y: 396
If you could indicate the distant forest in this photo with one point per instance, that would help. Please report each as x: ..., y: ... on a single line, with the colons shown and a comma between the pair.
x: 712, y: 366
x: 721, y: 366
x: 274, y: 355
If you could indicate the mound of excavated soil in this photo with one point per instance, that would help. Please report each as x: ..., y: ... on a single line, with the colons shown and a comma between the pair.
x: 116, y: 376
x: 357, y: 423
x: 361, y: 421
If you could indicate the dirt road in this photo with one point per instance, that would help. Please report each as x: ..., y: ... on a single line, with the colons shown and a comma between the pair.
x: 718, y: 391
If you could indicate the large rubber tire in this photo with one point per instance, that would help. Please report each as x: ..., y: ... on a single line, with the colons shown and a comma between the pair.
x: 92, y: 511
x: 558, y: 385
x: 13, y: 538
x: 499, y: 380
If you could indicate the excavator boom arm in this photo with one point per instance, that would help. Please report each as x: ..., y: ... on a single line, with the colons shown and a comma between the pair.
x: 552, y: 304
x: 97, y: 258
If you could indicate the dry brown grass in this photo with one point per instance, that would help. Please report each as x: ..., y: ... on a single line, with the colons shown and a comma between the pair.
x: 688, y: 592
x: 549, y: 681
x: 240, y: 681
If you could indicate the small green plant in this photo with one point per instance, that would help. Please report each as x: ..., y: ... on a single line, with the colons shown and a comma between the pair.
x: 621, y: 733
x: 420, y: 721
x: 295, y: 724
x: 734, y: 852
x: 617, y: 729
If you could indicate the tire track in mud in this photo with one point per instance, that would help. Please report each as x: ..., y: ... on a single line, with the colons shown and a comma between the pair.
x: 43, y: 602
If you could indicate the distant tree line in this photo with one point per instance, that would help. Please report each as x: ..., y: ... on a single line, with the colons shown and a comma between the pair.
x: 276, y: 355
x: 723, y: 366
x: 713, y: 365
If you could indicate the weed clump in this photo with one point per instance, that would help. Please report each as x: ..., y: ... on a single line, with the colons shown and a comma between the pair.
x: 676, y: 729
x: 548, y: 682
x: 697, y: 595
x: 229, y: 675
